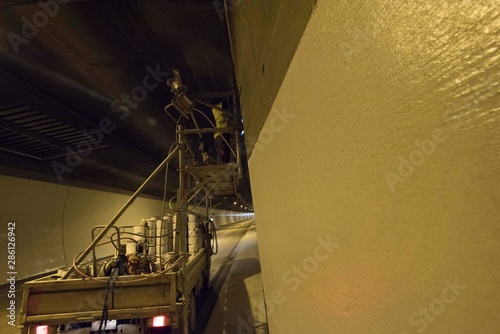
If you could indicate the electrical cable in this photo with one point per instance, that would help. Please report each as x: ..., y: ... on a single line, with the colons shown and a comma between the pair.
x: 110, y: 284
x: 103, y: 280
x: 166, y: 270
x: 112, y: 242
x: 143, y: 235
x: 208, y: 118
x: 170, y: 204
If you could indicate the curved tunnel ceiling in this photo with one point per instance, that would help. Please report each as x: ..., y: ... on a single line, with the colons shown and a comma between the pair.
x: 100, y: 68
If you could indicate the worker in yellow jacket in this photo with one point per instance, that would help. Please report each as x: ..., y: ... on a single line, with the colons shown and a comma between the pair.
x: 222, y: 139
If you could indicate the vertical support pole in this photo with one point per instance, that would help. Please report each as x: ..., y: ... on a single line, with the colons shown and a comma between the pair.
x: 170, y: 232
x: 207, y: 207
x: 237, y: 136
x: 181, y: 221
x: 186, y: 315
x: 181, y: 227
x: 238, y: 152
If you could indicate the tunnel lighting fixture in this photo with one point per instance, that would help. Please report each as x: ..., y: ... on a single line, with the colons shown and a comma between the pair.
x: 241, y: 206
x: 234, y: 203
x: 183, y: 104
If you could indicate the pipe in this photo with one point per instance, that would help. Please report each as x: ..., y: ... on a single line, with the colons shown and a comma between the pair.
x: 120, y: 212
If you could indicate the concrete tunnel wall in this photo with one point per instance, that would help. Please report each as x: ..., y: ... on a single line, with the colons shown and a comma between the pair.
x: 54, y: 222
x: 376, y: 178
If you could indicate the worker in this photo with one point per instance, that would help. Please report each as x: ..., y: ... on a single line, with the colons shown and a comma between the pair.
x: 222, y: 139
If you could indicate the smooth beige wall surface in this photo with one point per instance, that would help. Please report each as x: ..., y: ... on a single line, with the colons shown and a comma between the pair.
x: 87, y: 208
x: 377, y: 197
x: 35, y: 207
x: 54, y: 222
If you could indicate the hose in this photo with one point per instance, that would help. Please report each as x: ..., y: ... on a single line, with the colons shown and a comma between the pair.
x: 212, y: 246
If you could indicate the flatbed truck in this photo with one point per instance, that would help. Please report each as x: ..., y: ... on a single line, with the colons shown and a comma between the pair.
x: 138, y: 290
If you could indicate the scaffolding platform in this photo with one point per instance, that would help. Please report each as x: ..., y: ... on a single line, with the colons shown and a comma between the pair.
x: 218, y: 180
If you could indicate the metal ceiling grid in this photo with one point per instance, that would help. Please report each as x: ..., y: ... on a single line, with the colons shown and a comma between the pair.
x: 30, y: 133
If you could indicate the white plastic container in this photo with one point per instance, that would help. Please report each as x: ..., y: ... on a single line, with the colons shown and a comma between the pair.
x: 140, y: 230
x: 130, y: 248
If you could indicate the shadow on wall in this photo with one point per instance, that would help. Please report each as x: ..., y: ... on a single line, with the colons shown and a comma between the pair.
x: 234, y: 311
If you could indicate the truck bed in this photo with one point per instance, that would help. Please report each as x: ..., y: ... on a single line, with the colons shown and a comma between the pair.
x: 52, y: 301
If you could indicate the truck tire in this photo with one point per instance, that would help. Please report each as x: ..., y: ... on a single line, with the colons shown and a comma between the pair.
x: 206, y: 279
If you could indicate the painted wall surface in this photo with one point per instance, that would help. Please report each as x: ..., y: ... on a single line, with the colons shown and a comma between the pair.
x: 54, y: 222
x: 378, y: 202
x: 264, y: 36
x: 35, y: 207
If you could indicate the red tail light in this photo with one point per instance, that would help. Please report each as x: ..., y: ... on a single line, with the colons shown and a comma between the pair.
x: 42, y: 329
x: 159, y: 321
